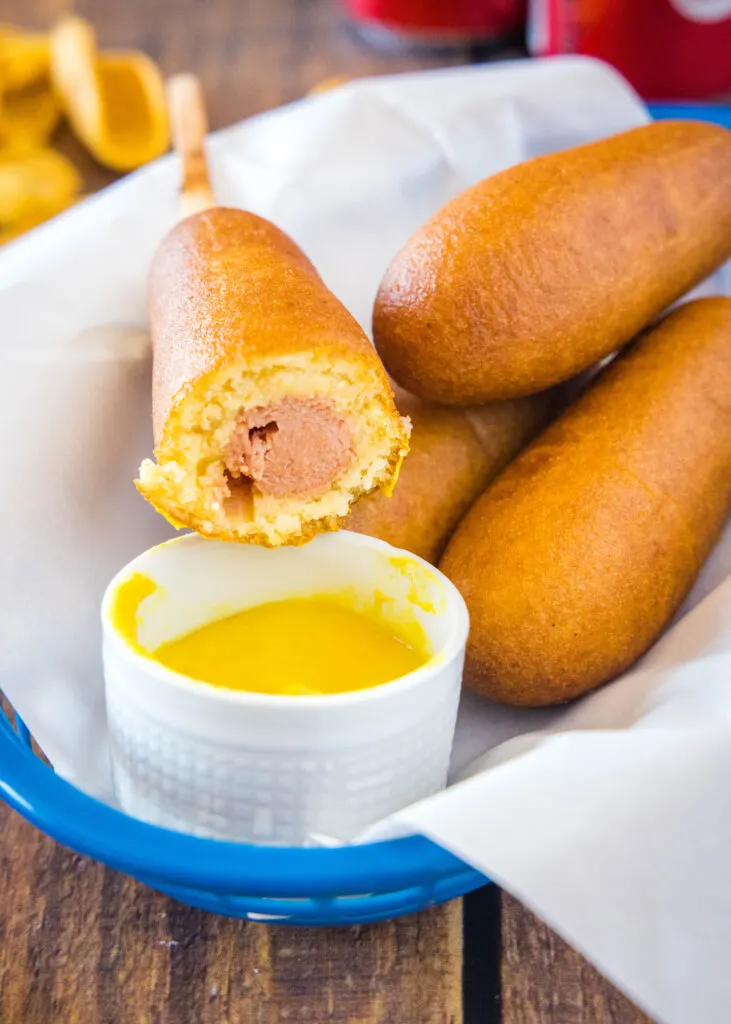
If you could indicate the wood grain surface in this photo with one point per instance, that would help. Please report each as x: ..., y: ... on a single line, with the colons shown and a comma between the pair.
x: 83, y: 945
x: 544, y: 981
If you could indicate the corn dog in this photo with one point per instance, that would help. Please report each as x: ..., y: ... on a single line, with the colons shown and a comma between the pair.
x: 535, y: 274
x: 576, y: 557
x: 454, y: 454
x: 271, y: 410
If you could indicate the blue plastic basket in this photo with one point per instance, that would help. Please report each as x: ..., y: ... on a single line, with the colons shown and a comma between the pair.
x: 284, y: 885
x: 350, y: 885
x: 691, y: 111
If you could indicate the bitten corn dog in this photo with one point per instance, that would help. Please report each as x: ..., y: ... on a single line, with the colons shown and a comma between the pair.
x: 454, y: 455
x: 577, y: 556
x: 271, y: 410
x: 535, y: 274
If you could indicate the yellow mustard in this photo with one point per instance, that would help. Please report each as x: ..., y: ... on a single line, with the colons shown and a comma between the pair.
x: 127, y: 600
x: 297, y: 646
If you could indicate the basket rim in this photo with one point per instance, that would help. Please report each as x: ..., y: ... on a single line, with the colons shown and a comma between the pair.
x: 96, y: 829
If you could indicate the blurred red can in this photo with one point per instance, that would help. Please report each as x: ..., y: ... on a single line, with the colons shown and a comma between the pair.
x: 668, y: 49
x: 438, y: 22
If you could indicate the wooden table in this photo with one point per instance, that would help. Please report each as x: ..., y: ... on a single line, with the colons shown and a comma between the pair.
x: 83, y: 945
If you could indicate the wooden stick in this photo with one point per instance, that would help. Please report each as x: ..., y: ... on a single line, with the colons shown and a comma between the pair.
x: 188, y: 125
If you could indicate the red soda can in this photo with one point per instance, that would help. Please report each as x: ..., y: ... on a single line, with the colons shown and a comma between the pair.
x: 437, y: 23
x: 667, y: 49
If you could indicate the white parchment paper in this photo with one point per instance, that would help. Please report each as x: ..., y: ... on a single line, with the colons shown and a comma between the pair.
x: 615, y: 825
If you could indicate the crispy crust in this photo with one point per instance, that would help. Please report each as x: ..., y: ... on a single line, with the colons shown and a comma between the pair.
x: 577, y: 556
x: 534, y: 274
x: 227, y: 285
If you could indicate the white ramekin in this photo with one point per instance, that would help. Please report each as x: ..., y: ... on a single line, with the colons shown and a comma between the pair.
x: 278, y: 769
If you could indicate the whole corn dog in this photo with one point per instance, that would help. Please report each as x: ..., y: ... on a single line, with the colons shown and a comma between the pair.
x: 454, y: 454
x: 576, y: 557
x: 535, y: 274
x: 271, y: 410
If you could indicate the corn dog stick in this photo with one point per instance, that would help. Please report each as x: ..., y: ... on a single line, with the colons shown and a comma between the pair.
x: 189, y: 125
